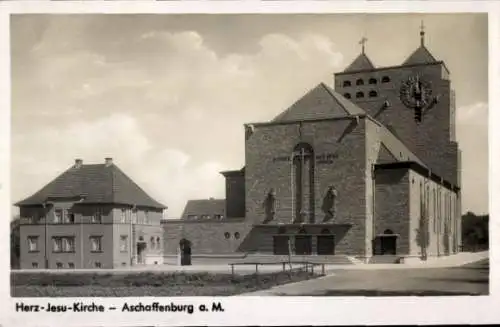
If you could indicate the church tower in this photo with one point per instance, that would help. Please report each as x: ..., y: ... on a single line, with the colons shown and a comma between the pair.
x: 413, y: 100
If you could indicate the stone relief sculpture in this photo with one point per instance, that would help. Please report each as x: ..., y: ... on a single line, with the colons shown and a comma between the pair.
x: 270, y: 205
x: 329, y: 202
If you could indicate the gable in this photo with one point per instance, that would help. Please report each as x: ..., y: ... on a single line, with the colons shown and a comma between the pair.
x: 319, y: 103
x: 384, y: 155
x: 420, y: 56
x: 362, y: 62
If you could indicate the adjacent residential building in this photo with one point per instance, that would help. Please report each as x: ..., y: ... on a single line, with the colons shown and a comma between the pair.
x: 90, y: 216
x: 368, y: 168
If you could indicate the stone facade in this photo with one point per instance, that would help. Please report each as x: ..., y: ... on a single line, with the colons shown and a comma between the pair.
x: 345, y: 167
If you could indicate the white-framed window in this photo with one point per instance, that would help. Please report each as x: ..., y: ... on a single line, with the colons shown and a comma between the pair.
x: 158, y: 243
x: 33, y: 243
x: 152, y: 241
x: 97, y: 216
x: 192, y: 217
x: 146, y: 217
x: 95, y: 243
x: 63, y: 244
x: 205, y: 217
x: 123, y: 243
x: 123, y: 216
x: 58, y: 216
x: 134, y: 216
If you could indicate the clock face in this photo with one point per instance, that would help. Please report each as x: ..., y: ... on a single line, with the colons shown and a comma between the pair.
x: 416, y: 92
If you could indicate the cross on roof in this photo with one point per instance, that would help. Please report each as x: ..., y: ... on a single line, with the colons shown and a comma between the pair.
x: 422, y: 32
x: 363, y: 42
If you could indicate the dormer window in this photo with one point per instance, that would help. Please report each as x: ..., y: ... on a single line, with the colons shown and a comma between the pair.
x: 347, y: 83
x: 372, y: 81
x: 386, y: 79
x: 360, y: 82
x: 360, y: 95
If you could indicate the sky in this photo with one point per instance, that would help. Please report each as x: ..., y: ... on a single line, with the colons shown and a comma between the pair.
x: 166, y: 96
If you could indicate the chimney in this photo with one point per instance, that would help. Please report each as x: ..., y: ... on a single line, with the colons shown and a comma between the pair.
x: 78, y: 163
x: 109, y: 162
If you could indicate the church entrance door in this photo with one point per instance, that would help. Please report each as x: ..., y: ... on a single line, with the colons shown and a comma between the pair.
x: 388, y: 245
x: 280, y: 244
x: 303, y: 243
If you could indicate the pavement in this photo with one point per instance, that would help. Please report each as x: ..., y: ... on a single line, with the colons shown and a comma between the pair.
x: 472, y: 278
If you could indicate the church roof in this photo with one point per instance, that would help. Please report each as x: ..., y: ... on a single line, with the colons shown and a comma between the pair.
x: 396, y: 148
x: 94, y: 183
x: 321, y: 102
x: 420, y: 56
x: 362, y: 62
x: 203, y: 207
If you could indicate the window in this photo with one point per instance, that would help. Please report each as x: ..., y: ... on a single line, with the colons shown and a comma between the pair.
x: 205, y: 217
x: 34, y: 265
x: 95, y: 243
x: 227, y: 235
x: 123, y: 243
x: 360, y: 95
x: 372, y: 94
x: 67, y: 217
x: 134, y: 216
x: 97, y: 264
x: 97, y: 217
x: 219, y: 217
x: 386, y: 79
x: 33, y: 243
x: 59, y: 265
x: 158, y: 243
x: 359, y: 82
x: 58, y: 216
x: 347, y: 95
x: 152, y: 241
x: 192, y: 217
x: 63, y: 244
x: 71, y: 265
x: 123, y: 216
x: 347, y: 83
x: 372, y: 81
x: 236, y: 235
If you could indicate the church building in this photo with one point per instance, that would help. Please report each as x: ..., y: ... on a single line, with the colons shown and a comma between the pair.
x: 368, y: 168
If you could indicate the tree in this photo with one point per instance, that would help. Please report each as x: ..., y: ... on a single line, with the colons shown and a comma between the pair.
x: 423, y: 230
x: 15, y: 245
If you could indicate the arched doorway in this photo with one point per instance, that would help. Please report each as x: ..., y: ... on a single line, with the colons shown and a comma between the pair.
x: 303, y: 243
x: 185, y: 252
x: 388, y: 242
x: 326, y: 243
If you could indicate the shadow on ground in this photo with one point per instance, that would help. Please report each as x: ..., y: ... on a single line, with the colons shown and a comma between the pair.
x: 387, y: 293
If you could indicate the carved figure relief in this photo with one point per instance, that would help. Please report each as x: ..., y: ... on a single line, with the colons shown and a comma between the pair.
x: 329, y: 203
x: 270, y: 205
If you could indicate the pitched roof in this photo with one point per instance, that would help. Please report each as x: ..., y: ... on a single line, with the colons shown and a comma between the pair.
x: 95, y: 183
x: 362, y: 62
x: 204, y: 207
x: 321, y: 102
x: 420, y: 56
x: 395, y: 147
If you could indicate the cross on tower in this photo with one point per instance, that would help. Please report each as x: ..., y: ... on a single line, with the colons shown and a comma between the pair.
x: 363, y: 42
x: 422, y: 32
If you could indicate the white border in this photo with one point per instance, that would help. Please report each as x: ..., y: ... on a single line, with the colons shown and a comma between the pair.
x: 258, y: 310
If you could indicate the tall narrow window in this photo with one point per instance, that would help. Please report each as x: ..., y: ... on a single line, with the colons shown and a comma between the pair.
x: 123, y: 243
x: 303, y: 180
x: 58, y: 216
x: 96, y: 243
x: 123, y: 216
x: 97, y: 217
x: 33, y: 243
x: 134, y: 216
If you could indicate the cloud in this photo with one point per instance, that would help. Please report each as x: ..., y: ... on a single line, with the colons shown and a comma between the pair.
x: 472, y: 135
x: 166, y: 174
